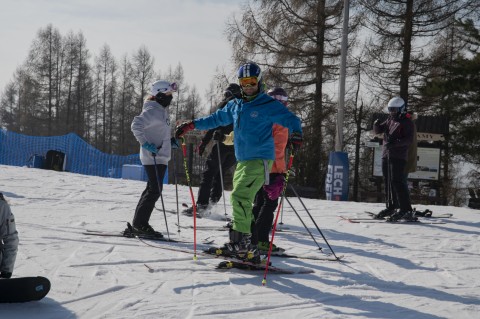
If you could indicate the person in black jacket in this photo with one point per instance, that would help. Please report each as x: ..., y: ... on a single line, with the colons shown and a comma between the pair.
x: 398, y: 131
x: 210, y: 190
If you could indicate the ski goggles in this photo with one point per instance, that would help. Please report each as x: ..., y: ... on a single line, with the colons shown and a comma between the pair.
x: 248, y: 82
x: 393, y: 109
x: 173, y: 87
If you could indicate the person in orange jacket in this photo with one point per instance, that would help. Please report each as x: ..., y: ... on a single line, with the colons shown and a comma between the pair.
x: 266, y: 200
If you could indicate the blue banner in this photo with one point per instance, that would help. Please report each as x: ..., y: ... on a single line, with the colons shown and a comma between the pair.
x: 336, y: 182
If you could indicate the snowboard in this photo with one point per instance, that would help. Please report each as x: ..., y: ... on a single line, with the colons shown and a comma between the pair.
x: 23, y: 289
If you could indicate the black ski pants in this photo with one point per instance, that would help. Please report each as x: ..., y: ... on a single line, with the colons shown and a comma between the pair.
x: 396, y: 187
x: 263, y: 212
x: 150, y: 195
x: 211, y: 183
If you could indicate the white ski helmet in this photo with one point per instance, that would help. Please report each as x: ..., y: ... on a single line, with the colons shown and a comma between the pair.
x: 162, y: 86
x: 396, y: 103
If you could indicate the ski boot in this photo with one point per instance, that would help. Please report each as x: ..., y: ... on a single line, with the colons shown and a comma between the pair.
x: 384, y: 213
x: 202, y: 211
x: 264, y: 246
x: 145, y: 231
x: 239, y: 247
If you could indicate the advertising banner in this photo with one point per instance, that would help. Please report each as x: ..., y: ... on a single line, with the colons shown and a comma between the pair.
x: 336, y: 182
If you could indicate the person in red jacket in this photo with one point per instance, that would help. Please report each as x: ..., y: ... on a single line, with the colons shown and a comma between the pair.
x: 398, y: 133
x: 266, y: 200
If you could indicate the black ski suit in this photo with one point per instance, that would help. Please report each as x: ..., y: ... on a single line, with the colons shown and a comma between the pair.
x: 397, y: 137
x: 210, y: 186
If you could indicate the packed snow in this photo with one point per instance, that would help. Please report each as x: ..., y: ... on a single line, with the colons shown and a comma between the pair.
x: 388, y: 270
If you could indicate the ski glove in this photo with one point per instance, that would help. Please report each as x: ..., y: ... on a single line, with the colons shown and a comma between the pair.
x: 275, y: 188
x: 296, y: 141
x: 184, y: 128
x: 218, y: 136
x: 152, y: 148
x: 174, y: 143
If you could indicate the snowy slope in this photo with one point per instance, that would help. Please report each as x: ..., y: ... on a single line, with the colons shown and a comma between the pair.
x: 389, y: 270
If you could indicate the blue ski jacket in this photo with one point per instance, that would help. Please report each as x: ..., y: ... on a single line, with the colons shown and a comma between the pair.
x: 252, y: 125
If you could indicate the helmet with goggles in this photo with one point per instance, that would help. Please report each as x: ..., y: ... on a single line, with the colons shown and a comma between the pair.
x: 396, y: 104
x: 162, y: 86
x: 250, y: 74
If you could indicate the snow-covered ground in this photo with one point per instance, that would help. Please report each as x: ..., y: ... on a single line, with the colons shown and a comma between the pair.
x: 389, y: 270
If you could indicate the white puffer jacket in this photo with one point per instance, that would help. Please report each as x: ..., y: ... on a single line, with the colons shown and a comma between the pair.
x: 153, y: 126
x: 8, y: 238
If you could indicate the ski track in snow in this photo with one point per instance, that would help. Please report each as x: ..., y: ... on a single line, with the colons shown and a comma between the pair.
x: 389, y: 271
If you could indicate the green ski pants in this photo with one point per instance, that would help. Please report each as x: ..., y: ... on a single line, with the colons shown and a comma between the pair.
x: 248, y: 178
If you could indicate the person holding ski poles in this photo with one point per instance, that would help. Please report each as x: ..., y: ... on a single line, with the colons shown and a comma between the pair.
x: 8, y: 240
x: 252, y: 117
x: 152, y: 130
x: 210, y: 190
x: 266, y: 199
x: 397, y: 136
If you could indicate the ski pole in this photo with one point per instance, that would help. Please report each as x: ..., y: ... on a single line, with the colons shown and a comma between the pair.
x: 184, y: 151
x: 313, y: 220
x: 303, y: 223
x: 264, y: 281
x: 159, y: 185
x: 176, y: 188
x: 281, y: 217
x: 221, y: 179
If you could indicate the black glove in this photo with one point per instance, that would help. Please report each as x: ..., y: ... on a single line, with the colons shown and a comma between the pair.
x: 184, y: 128
x: 201, y: 148
x: 5, y: 274
x: 376, y: 122
x: 218, y: 136
x: 296, y: 141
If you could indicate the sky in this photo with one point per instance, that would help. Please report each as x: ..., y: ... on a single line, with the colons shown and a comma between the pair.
x: 190, y: 32
x: 394, y: 271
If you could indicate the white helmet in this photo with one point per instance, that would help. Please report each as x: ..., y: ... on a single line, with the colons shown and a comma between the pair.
x: 162, y: 86
x: 396, y: 103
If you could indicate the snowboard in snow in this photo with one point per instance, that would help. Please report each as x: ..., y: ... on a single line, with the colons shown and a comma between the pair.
x: 23, y: 289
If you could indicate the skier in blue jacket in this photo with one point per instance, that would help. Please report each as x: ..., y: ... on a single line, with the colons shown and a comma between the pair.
x: 253, y: 117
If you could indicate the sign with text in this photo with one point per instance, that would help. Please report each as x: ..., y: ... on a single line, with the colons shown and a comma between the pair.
x: 336, y: 182
x: 428, y: 163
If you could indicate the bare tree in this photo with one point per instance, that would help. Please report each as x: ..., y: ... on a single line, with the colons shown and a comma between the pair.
x: 297, y: 44
x: 143, y: 73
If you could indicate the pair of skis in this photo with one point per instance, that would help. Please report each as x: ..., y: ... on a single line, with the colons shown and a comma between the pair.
x: 227, y: 263
x: 430, y: 220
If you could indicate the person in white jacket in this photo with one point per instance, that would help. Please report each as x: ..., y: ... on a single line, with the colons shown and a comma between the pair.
x: 152, y: 130
x: 8, y: 239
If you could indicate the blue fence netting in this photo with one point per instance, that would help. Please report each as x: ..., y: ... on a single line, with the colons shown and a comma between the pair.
x: 80, y: 157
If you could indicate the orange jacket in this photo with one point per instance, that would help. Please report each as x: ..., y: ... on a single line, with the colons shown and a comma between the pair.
x: 280, y: 138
